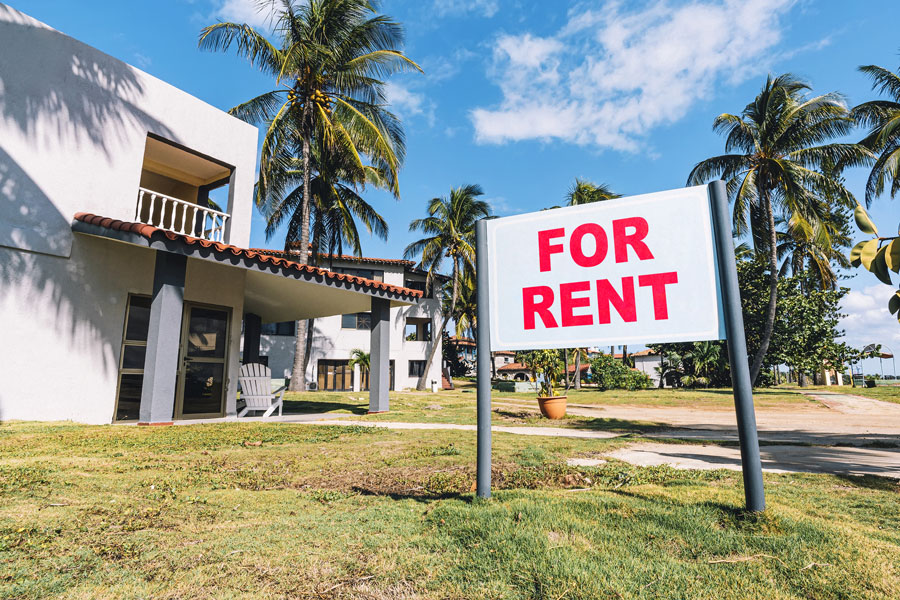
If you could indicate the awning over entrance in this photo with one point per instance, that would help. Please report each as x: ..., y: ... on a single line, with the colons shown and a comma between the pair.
x: 276, y: 289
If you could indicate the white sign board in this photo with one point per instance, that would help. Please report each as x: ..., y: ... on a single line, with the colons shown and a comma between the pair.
x: 632, y: 270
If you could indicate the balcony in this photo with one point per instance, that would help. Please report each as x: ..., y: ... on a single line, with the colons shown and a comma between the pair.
x: 180, y: 216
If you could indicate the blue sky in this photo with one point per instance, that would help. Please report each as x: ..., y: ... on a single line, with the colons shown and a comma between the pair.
x: 524, y: 96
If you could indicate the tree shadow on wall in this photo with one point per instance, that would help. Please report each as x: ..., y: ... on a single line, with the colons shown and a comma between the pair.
x: 56, y: 91
x: 55, y: 87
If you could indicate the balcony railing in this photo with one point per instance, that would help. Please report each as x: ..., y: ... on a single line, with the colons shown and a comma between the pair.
x: 180, y: 216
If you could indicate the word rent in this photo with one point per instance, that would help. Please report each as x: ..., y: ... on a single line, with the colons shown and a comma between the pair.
x: 592, y: 300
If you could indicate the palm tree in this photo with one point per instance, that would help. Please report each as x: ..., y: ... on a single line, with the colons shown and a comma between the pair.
x: 815, y: 247
x: 359, y: 357
x: 779, y: 162
x: 329, y: 62
x: 450, y: 234
x: 584, y: 192
x: 335, y: 202
x: 705, y: 355
x: 883, y: 118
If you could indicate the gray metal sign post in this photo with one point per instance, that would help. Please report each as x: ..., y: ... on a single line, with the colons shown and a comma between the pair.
x: 737, y: 348
x: 483, y: 355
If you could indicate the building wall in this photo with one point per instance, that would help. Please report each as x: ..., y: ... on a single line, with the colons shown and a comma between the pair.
x: 647, y: 365
x: 73, y: 127
x: 62, y: 322
x: 331, y: 342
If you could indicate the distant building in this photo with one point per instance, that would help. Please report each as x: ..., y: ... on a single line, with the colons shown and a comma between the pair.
x: 334, y: 338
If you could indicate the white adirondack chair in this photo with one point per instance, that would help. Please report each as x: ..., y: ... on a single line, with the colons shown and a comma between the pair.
x: 256, y: 390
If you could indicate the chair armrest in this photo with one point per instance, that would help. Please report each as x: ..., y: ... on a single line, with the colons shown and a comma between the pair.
x: 280, y: 391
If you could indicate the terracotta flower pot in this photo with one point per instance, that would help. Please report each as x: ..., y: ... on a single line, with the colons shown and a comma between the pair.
x: 553, y: 407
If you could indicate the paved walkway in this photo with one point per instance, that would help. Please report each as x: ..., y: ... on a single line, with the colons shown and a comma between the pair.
x: 775, y: 459
x: 835, y: 420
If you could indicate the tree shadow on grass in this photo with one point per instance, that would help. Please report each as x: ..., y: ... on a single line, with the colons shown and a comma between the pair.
x: 302, y: 407
x: 417, y: 494
x: 615, y: 425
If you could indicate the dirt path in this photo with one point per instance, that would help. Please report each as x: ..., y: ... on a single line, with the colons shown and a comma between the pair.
x: 775, y: 459
x: 838, y: 419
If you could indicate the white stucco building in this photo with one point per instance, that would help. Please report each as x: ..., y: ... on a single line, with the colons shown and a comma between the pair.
x: 122, y: 292
x: 334, y: 338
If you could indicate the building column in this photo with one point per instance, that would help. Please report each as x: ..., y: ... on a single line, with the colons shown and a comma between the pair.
x: 163, y: 340
x: 252, y: 328
x: 380, y: 356
x: 357, y: 382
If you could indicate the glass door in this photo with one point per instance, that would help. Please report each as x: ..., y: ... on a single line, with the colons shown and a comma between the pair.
x: 204, y: 357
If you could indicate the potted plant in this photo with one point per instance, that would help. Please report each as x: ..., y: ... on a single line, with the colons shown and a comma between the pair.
x: 547, y: 366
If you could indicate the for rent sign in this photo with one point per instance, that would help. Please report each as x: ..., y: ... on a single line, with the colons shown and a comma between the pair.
x: 632, y: 270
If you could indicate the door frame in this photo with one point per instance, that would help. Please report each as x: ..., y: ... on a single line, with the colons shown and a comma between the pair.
x: 182, y: 350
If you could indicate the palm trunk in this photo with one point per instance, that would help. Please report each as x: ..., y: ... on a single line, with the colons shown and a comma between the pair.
x: 298, y: 372
x: 420, y: 385
x: 577, y: 368
x: 769, y: 325
x: 625, y: 355
x: 566, y: 355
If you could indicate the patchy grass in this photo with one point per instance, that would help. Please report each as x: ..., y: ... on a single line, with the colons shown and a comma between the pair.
x: 884, y: 392
x: 458, y: 406
x: 332, y: 512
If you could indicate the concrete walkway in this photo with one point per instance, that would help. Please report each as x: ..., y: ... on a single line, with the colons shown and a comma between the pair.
x: 775, y: 459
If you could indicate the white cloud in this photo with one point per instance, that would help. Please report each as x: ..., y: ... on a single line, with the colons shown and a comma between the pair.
x: 244, y: 11
x: 408, y: 103
x: 610, y: 75
x: 868, y: 320
x: 487, y: 8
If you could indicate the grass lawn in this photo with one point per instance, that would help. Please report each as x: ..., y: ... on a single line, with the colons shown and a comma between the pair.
x: 336, y: 512
x: 458, y: 406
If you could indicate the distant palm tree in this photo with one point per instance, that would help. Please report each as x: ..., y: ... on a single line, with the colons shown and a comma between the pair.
x: 705, y: 355
x: 883, y: 117
x: 779, y: 167
x: 329, y: 62
x: 450, y: 234
x: 585, y: 192
x: 361, y: 358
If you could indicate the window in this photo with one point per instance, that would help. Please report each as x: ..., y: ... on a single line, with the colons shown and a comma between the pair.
x: 131, y: 361
x: 357, y: 321
x: 335, y: 375
x: 416, y: 284
x: 364, y: 273
x: 417, y: 329
x: 283, y: 328
x: 416, y: 368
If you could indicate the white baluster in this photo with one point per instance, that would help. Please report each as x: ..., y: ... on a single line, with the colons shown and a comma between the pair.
x: 140, y: 204
x: 152, y: 207
x: 184, y: 210
x: 222, y: 230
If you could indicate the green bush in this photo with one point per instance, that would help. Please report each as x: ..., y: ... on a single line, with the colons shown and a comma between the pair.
x: 611, y: 374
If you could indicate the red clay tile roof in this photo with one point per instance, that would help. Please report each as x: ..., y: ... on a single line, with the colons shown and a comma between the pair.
x: 513, y: 367
x: 583, y: 367
x: 149, y: 231
x: 344, y: 257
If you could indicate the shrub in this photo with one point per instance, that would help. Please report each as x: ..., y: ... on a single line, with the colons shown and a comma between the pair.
x: 611, y: 374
